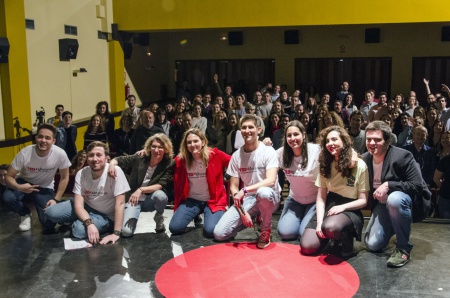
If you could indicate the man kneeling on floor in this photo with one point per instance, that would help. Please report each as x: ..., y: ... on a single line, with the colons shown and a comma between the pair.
x: 99, y: 200
x: 257, y: 166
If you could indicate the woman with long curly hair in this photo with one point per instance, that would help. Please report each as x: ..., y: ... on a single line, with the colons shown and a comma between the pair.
x: 95, y: 131
x: 198, y: 182
x: 343, y: 187
x: 78, y: 162
x: 299, y: 161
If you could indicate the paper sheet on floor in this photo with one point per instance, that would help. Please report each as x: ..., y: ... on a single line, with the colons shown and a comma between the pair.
x: 70, y: 244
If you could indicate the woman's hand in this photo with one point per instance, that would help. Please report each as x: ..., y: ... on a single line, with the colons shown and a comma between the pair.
x: 246, y: 219
x: 336, y: 210
x: 134, y: 198
x: 319, y: 231
x: 267, y: 142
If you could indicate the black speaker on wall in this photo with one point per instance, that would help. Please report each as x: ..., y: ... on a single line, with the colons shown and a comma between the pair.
x: 445, y: 35
x: 127, y: 49
x: 291, y: 37
x: 235, y: 38
x: 115, y: 31
x: 68, y: 49
x: 372, y: 35
x: 4, y: 49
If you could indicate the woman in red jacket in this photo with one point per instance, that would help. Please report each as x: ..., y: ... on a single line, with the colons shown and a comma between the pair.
x: 198, y: 183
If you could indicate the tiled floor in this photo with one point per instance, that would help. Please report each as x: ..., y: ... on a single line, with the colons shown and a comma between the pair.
x: 35, y: 265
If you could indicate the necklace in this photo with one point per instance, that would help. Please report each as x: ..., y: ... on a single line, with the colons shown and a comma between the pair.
x: 199, y: 163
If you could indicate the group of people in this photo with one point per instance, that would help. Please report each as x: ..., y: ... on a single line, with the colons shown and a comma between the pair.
x: 171, y: 149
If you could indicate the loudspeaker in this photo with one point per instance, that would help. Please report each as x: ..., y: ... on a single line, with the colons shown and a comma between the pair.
x: 372, y: 35
x: 290, y: 36
x: 115, y: 31
x: 127, y: 49
x: 445, y: 35
x: 4, y: 49
x: 235, y: 38
x: 68, y: 49
x: 144, y: 39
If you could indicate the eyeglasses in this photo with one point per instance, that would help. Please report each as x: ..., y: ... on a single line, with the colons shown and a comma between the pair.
x: 154, y: 147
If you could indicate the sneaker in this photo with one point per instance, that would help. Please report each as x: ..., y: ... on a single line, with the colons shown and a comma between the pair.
x: 25, y: 223
x: 159, y: 219
x: 198, y: 221
x: 264, y: 239
x: 347, y: 247
x: 399, y: 258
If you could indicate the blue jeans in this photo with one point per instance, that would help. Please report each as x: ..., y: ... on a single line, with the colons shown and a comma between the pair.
x: 443, y: 207
x: 264, y: 203
x: 154, y: 201
x: 13, y: 201
x: 388, y: 219
x: 294, y: 218
x: 102, y: 222
x: 186, y: 213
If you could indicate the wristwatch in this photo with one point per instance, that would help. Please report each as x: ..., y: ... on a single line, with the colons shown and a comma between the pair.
x: 87, y: 222
x: 116, y: 232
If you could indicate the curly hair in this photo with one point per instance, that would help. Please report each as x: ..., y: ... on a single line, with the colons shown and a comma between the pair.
x: 288, y: 153
x: 337, y: 120
x: 345, y: 157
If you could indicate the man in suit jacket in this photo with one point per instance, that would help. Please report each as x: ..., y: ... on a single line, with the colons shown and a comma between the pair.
x: 395, y: 181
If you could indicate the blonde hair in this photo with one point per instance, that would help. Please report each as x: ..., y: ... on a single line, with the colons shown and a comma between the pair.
x: 165, y: 142
x: 186, y: 155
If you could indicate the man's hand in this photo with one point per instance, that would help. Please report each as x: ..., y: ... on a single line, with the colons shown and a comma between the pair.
x: 93, y: 234
x: 238, y: 199
x: 50, y: 203
x: 110, y: 238
x: 246, y: 219
x: 381, y: 193
x: 134, y: 198
x: 28, y: 188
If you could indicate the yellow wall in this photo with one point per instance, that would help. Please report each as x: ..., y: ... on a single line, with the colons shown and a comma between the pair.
x: 134, y: 15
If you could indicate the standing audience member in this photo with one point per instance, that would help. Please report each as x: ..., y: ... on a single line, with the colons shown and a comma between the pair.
x: 57, y: 119
x: 150, y: 179
x: 256, y: 165
x: 343, y: 186
x: 132, y: 110
x: 37, y: 165
x: 66, y: 135
x: 395, y: 182
x: 198, y: 121
x: 198, y: 182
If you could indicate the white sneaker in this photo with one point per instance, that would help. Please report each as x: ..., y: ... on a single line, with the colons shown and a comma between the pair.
x: 25, y: 223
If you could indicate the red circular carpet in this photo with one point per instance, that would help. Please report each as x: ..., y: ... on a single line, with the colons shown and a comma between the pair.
x: 243, y: 270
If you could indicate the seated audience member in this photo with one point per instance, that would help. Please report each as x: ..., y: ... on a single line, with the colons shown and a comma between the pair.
x: 345, y: 116
x: 340, y: 95
x: 299, y: 161
x: 198, y: 183
x: 343, y: 187
x: 79, y: 161
x: 432, y: 117
x: 355, y: 132
x: 284, y: 99
x: 256, y: 165
x: 305, y: 119
x: 240, y: 105
x: 161, y: 119
x: 122, y: 136
x: 424, y: 155
x: 187, y: 124
x: 102, y: 109
x: 404, y: 130
x: 412, y: 104
x: 233, y: 124
x: 442, y: 180
x: 170, y: 111
x: 349, y: 105
x: 438, y: 130
x: 230, y: 104
x: 444, y: 145
x: 379, y: 109
x: 272, y: 125
x: 150, y: 177
x: 387, y: 118
x: 154, y: 107
x: 132, y: 110
x: 266, y: 107
x: 207, y: 106
x: 66, y: 135
x: 37, y: 165
x: 311, y: 106
x: 395, y: 183
x: 277, y: 108
x: 57, y: 119
x: 290, y: 110
x: 99, y: 200
x: 252, y: 109
x: 277, y: 139
x: 95, y: 132
x: 217, y: 134
x: 143, y: 132
x: 330, y: 119
x: 366, y: 106
x: 3, y: 171
x: 198, y: 121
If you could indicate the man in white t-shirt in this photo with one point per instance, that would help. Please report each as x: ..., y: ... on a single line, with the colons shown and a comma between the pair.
x: 257, y: 166
x: 37, y: 166
x: 99, y: 200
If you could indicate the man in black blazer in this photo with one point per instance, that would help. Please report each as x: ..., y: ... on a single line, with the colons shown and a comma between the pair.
x: 395, y: 181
